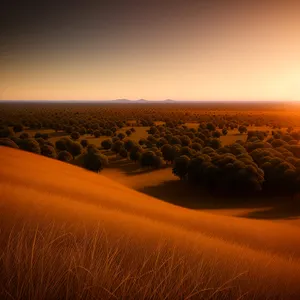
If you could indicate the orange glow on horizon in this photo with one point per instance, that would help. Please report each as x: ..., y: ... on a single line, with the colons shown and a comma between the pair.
x: 235, y: 56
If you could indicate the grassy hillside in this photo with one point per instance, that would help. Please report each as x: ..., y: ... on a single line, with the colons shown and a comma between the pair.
x: 68, y: 233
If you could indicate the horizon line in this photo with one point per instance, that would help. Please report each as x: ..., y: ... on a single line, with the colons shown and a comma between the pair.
x: 145, y: 100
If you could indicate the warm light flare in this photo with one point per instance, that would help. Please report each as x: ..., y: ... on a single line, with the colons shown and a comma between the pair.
x: 189, y: 52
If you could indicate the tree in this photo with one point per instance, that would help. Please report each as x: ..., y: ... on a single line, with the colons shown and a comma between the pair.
x: 181, y: 165
x: 148, y: 159
x: 108, y: 132
x: 75, y: 135
x: 157, y: 162
x: 224, y: 131
x: 82, y: 130
x: 162, y: 141
x: 121, y: 135
x: 185, y: 140
x: 63, y: 144
x: 84, y: 143
x: 129, y: 144
x: 210, y: 127
x: 128, y: 132
x: 169, y: 152
x: 135, y: 155
x: 64, y: 156
x: 117, y: 146
x: 97, y: 133
x: 75, y: 149
x: 45, y: 136
x: 278, y: 143
x: 214, y: 143
x: 30, y: 145
x: 37, y: 135
x: 216, y: 134
x: 114, y: 139
x: 196, y: 146
x: 175, y: 140
x: 48, y: 151
x: 142, y: 141
x: 18, y: 128
x: 106, y: 144
x: 152, y: 130
x: 8, y: 143
x: 94, y: 160
x: 186, y: 151
x: 242, y: 129
x: 24, y: 135
x: 152, y: 139
x: 123, y: 153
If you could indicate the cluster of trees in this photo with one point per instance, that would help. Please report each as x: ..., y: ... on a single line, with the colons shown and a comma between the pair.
x: 220, y: 172
x: 65, y: 149
x: 267, y: 161
x: 279, y: 158
x: 147, y: 157
x: 270, y: 165
x: 100, y: 119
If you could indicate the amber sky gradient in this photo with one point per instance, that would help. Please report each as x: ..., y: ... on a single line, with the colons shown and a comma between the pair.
x: 185, y: 50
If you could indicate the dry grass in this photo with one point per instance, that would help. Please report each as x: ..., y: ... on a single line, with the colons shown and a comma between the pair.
x: 66, y: 233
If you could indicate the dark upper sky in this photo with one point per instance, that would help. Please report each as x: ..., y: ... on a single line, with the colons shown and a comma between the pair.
x: 181, y: 49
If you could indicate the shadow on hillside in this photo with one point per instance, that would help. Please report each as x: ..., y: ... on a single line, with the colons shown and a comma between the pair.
x: 287, y: 211
x: 181, y: 194
x: 129, y: 168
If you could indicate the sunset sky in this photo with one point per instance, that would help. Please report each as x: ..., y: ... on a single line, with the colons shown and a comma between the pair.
x: 158, y: 49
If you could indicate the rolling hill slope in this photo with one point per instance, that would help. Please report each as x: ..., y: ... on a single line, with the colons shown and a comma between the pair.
x: 69, y: 233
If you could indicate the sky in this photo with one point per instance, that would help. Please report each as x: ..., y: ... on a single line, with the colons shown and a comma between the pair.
x: 150, y: 49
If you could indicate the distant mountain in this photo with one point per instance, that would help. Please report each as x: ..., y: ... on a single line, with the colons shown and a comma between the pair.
x: 141, y: 101
x: 120, y: 101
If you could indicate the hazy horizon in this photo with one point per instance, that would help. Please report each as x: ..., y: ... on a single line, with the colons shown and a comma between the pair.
x: 156, y: 50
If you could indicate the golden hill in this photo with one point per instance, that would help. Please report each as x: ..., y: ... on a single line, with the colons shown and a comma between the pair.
x: 66, y: 233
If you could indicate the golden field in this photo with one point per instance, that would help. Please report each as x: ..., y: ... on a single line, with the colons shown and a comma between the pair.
x: 66, y: 233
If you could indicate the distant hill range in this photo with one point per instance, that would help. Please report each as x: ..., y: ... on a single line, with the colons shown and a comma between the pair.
x: 141, y: 101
